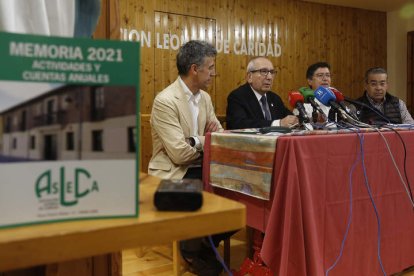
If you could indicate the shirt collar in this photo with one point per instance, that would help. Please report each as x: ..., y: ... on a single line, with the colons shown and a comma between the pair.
x: 257, y: 94
x: 188, y: 94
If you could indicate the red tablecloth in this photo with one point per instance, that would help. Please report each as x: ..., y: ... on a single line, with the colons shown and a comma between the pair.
x: 306, y: 218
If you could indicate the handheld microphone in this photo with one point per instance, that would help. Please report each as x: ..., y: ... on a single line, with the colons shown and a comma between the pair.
x: 340, y: 99
x: 296, y: 100
x: 310, y: 98
x: 370, y: 108
x: 339, y: 96
x: 326, y: 97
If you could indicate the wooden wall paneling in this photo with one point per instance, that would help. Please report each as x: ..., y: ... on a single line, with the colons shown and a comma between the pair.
x: 146, y: 142
x: 289, y: 75
x: 137, y: 22
x: 148, y: 77
x: 372, y: 46
x: 303, y: 44
x: 101, y: 30
x: 232, y: 67
x: 344, y: 76
x: 148, y: 71
x: 108, y: 22
x: 226, y: 70
x: 354, y: 87
x: 340, y: 50
x: 172, y: 26
x: 183, y: 7
x: 137, y: 25
x: 222, y: 11
x: 345, y: 80
x: 276, y: 31
x: 363, y: 53
x: 236, y: 69
x: 113, y: 15
x: 304, y: 34
x: 311, y: 18
x: 165, y: 71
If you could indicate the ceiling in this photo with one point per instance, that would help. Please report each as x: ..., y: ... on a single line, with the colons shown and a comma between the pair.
x: 376, y: 5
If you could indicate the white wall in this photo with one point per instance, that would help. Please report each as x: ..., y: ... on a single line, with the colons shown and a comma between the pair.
x: 397, y: 29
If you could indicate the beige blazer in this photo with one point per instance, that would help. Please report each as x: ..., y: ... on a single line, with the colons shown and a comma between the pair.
x: 171, y: 122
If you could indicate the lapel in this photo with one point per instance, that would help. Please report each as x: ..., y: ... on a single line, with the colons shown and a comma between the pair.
x: 254, y: 104
x: 202, y: 114
x: 183, y: 107
x: 272, y: 106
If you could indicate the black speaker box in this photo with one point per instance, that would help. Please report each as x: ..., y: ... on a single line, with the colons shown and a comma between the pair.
x: 179, y: 195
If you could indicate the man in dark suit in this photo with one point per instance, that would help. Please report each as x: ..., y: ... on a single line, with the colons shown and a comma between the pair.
x: 253, y: 105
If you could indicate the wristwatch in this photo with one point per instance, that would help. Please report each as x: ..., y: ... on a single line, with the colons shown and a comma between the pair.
x: 194, y: 144
x: 192, y: 141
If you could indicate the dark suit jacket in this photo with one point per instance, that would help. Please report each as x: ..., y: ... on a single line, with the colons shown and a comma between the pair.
x: 244, y: 110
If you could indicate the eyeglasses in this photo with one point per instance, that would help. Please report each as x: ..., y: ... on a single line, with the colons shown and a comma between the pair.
x: 322, y: 75
x: 375, y: 84
x: 264, y: 72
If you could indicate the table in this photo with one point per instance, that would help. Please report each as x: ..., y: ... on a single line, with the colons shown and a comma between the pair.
x: 57, y: 242
x: 306, y: 218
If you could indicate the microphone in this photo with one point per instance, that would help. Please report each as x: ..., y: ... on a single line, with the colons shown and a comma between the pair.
x: 340, y: 99
x: 296, y: 100
x: 310, y: 98
x: 326, y: 97
x: 370, y: 108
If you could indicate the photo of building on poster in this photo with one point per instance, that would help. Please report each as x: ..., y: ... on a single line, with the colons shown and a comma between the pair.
x: 67, y: 122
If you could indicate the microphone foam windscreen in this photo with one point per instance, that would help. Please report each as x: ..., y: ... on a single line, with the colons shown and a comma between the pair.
x: 324, y: 95
x: 339, y: 96
x: 295, y: 97
x: 307, y: 93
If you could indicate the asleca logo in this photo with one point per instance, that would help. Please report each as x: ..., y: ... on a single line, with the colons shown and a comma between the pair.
x: 69, y: 191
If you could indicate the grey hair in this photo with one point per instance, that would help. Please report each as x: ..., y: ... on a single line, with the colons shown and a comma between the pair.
x: 373, y: 71
x: 193, y: 52
x: 251, y: 64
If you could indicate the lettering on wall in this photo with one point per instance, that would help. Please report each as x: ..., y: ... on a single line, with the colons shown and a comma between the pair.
x: 168, y: 41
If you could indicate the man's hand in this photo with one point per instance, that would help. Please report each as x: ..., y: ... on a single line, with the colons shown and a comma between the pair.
x: 211, y: 126
x: 289, y: 121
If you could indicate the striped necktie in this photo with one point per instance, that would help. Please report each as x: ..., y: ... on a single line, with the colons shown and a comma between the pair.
x: 265, y: 108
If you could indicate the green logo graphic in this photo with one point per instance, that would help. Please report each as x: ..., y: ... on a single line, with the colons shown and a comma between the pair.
x: 69, y: 191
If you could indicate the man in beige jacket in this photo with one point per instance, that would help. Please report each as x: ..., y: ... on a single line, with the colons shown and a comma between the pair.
x: 183, y: 113
x: 181, y: 116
